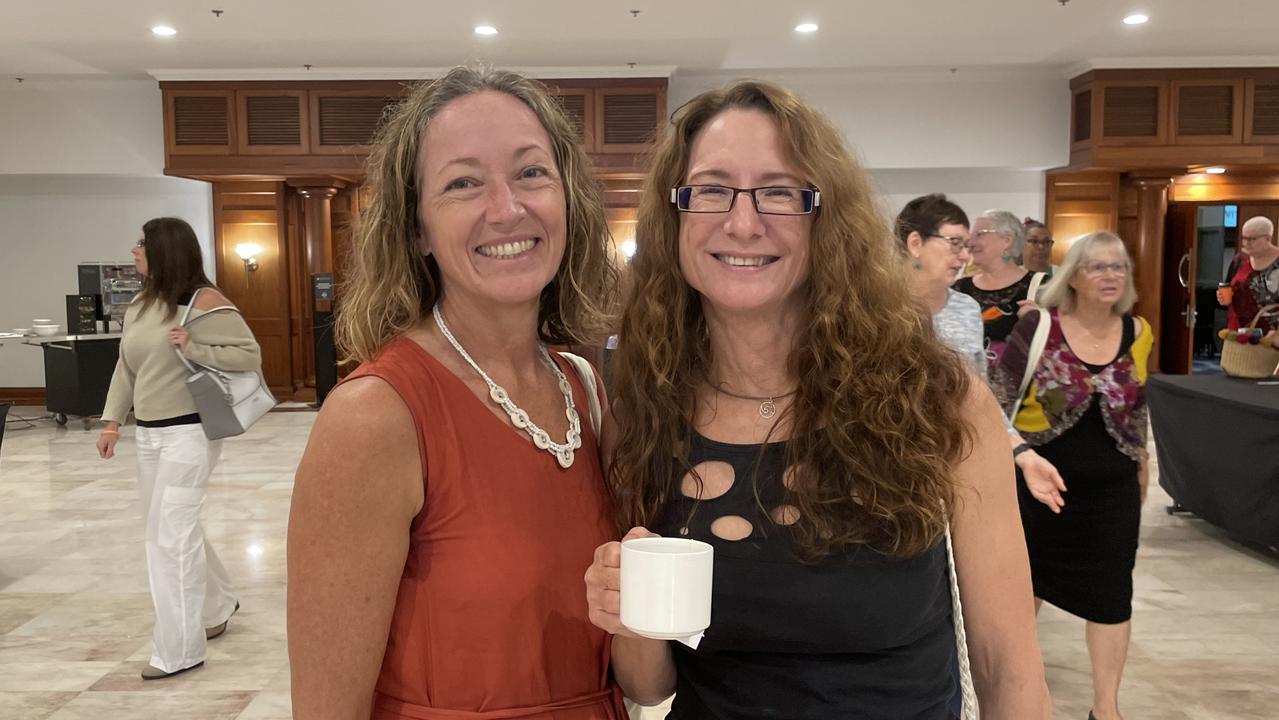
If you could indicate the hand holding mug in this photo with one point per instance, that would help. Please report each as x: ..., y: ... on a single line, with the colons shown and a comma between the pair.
x: 1225, y: 293
x: 604, y: 585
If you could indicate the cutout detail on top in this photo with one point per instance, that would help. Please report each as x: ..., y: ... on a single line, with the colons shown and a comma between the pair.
x: 732, y: 527
x: 716, y: 479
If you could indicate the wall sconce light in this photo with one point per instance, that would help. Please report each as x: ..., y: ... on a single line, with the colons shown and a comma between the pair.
x: 249, y: 252
x: 628, y: 249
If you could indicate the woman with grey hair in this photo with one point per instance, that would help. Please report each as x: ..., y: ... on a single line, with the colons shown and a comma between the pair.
x: 1085, y: 412
x: 1002, y: 287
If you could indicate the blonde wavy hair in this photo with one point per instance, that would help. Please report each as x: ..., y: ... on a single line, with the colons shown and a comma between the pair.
x: 1059, y: 294
x: 876, y: 423
x: 391, y: 285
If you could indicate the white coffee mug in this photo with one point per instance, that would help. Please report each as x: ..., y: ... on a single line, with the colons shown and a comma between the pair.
x: 666, y: 587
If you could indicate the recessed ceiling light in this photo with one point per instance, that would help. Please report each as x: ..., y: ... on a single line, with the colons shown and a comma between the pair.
x: 485, y: 30
x: 806, y: 28
x: 1137, y: 19
x: 1215, y: 170
x: 163, y: 31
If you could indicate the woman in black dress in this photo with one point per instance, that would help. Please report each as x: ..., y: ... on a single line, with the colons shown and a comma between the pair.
x: 999, y: 284
x: 1085, y: 412
x: 782, y: 398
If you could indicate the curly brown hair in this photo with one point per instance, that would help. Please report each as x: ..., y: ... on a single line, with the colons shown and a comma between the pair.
x: 876, y: 428
x: 391, y: 284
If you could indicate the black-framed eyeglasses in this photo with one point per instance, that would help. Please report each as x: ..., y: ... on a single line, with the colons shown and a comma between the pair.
x: 957, y: 244
x: 769, y: 200
x: 1045, y: 242
x: 142, y: 242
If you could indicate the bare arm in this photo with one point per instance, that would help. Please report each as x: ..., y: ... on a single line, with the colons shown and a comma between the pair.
x: 358, y: 488
x: 994, y: 574
x: 642, y: 667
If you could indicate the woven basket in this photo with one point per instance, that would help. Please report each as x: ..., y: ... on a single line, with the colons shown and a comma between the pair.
x: 1250, y: 361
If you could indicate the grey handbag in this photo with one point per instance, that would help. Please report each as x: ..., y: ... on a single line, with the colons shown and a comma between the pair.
x: 228, y: 401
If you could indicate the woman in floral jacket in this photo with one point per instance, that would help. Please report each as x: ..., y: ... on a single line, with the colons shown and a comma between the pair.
x: 1085, y: 411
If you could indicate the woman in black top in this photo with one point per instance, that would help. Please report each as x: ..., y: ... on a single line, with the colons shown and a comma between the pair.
x: 781, y: 398
x: 999, y: 284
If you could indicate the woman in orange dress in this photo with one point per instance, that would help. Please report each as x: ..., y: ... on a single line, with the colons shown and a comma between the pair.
x: 451, y: 491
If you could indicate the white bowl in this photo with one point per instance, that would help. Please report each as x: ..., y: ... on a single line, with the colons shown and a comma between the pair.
x: 46, y: 330
x: 42, y: 321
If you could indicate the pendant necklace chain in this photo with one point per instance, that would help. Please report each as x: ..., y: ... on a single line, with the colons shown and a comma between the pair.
x: 767, y: 403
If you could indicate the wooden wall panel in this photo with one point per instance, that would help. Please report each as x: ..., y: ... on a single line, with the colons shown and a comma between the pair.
x: 1080, y: 203
x: 250, y: 212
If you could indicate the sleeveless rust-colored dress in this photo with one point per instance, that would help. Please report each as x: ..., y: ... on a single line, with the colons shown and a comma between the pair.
x: 490, y: 619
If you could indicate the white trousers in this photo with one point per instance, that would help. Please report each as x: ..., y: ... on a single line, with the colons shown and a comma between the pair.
x: 189, y: 586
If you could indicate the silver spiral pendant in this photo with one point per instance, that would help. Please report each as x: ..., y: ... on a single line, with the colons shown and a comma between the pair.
x: 767, y: 409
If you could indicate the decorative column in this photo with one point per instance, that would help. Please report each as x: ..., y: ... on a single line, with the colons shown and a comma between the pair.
x: 1148, y: 251
x: 317, y: 230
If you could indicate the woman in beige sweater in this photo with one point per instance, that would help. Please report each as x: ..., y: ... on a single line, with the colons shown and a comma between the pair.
x: 189, y: 586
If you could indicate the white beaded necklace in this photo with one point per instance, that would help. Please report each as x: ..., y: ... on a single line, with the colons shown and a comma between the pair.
x: 563, y: 452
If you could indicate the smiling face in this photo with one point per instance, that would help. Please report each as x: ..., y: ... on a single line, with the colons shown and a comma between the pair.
x: 492, y: 202
x: 1102, y: 276
x: 988, y: 246
x: 938, y: 262
x: 741, y: 260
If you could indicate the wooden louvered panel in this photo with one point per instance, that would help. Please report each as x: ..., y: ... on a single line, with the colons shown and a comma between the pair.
x: 1265, y: 109
x: 201, y: 120
x: 350, y: 119
x: 575, y: 107
x: 1205, y: 110
x: 1083, y: 116
x: 273, y: 120
x: 1131, y: 111
x: 579, y: 105
x: 629, y: 119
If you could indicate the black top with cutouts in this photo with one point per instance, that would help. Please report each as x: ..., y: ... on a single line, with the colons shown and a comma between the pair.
x: 858, y: 635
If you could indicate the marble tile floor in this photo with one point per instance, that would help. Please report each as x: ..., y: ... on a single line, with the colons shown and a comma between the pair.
x: 75, y: 616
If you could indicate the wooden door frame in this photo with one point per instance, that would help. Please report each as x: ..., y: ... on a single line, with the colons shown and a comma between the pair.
x: 1192, y: 253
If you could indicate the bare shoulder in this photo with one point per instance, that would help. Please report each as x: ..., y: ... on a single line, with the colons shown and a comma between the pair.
x: 365, y: 431
x: 210, y: 298
x: 979, y: 404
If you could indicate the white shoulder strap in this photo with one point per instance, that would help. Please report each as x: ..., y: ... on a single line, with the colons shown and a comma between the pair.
x: 587, y: 374
x: 1037, y: 344
x: 1035, y: 281
x: 190, y: 304
x: 187, y: 320
x: 967, y: 692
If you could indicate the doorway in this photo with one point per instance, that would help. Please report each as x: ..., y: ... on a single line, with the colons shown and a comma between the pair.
x: 1201, y: 244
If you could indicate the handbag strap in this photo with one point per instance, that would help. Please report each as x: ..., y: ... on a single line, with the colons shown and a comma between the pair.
x: 1262, y: 313
x: 587, y: 375
x: 1035, y: 281
x: 967, y: 693
x: 1037, y: 344
x: 187, y: 320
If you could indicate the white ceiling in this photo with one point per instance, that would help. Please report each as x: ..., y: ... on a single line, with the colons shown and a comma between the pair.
x: 112, y: 38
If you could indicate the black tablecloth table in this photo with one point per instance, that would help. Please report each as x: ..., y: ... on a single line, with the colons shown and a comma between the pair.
x: 1217, y: 439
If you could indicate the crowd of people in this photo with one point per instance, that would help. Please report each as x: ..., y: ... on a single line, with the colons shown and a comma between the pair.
x: 869, y: 422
